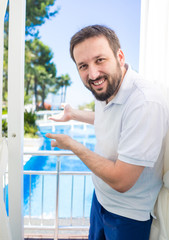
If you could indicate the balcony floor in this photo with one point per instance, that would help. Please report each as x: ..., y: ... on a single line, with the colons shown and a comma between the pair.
x: 77, y: 238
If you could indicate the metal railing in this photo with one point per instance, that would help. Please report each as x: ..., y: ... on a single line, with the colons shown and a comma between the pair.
x: 55, y: 227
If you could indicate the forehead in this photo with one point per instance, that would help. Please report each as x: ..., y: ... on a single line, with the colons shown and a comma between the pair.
x: 92, y: 47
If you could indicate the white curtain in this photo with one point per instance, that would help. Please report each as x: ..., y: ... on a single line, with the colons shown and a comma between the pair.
x: 154, y: 42
x: 154, y: 66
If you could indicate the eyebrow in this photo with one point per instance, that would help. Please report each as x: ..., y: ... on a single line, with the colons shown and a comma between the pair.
x: 96, y: 57
x: 81, y: 63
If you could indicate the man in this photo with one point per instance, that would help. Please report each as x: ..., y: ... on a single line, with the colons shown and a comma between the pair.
x: 131, y: 121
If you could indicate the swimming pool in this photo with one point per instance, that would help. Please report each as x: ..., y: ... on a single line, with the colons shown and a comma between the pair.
x: 85, y: 135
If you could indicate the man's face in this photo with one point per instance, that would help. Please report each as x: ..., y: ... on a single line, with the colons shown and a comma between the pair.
x: 99, y: 69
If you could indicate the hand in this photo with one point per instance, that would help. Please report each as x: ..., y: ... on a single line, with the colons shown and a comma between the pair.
x: 61, y: 141
x: 64, y: 116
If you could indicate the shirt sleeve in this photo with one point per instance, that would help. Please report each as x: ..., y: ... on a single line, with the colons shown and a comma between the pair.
x: 142, y: 135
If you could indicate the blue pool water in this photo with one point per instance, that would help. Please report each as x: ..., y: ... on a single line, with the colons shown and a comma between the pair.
x: 85, y: 135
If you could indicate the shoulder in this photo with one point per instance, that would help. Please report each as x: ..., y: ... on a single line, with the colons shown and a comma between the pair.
x: 145, y: 92
x: 145, y: 98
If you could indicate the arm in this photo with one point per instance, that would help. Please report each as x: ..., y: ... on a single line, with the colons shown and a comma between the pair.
x: 119, y: 175
x: 70, y: 113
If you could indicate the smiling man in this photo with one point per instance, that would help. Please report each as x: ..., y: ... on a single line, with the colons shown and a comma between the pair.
x: 101, y: 72
x: 131, y: 120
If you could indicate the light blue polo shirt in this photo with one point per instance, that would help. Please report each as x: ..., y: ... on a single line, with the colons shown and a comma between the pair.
x: 132, y: 128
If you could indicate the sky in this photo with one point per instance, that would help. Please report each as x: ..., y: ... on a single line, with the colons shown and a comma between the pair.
x: 123, y: 16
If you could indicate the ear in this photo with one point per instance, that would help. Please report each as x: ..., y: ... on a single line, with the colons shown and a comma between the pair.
x: 120, y: 57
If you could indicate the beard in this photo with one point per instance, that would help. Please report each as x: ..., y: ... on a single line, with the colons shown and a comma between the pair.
x: 112, y: 86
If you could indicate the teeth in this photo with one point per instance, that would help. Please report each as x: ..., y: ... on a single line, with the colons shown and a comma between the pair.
x: 98, y: 83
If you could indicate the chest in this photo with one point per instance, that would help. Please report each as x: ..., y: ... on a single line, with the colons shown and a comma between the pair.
x: 108, y: 125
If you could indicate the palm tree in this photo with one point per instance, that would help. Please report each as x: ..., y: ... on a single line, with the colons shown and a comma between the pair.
x: 40, y: 71
x: 64, y: 81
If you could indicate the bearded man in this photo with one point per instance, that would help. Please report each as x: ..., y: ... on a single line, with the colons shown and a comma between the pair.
x: 131, y: 120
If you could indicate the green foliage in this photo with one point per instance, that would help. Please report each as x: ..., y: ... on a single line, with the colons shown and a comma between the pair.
x: 27, y: 99
x: 4, y: 110
x: 40, y: 71
x: 90, y: 106
x: 37, y: 11
x: 4, y: 123
x: 5, y: 69
x: 30, y: 118
x: 63, y: 82
x: 4, y: 128
x: 30, y: 130
x: 30, y: 127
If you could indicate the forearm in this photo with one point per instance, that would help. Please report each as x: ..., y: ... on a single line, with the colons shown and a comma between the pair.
x: 117, y: 174
x: 83, y: 116
x: 70, y: 113
x: 100, y: 166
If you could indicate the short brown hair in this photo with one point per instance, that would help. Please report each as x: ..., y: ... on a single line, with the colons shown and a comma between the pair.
x: 95, y: 31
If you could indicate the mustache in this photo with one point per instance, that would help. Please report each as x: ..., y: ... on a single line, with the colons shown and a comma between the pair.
x: 97, y: 79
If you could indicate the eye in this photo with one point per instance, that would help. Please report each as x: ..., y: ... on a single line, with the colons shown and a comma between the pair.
x: 100, y: 60
x: 83, y: 67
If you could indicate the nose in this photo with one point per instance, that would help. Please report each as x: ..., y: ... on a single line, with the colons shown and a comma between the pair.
x: 93, y: 73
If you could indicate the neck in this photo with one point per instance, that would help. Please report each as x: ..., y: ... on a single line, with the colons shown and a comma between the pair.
x: 124, y: 70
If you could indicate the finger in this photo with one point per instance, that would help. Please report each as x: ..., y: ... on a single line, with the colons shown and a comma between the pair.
x: 50, y: 135
x: 53, y: 143
x: 54, y: 118
x: 51, y: 118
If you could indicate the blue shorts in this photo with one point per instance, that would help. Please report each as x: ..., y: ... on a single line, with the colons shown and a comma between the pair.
x: 108, y: 226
